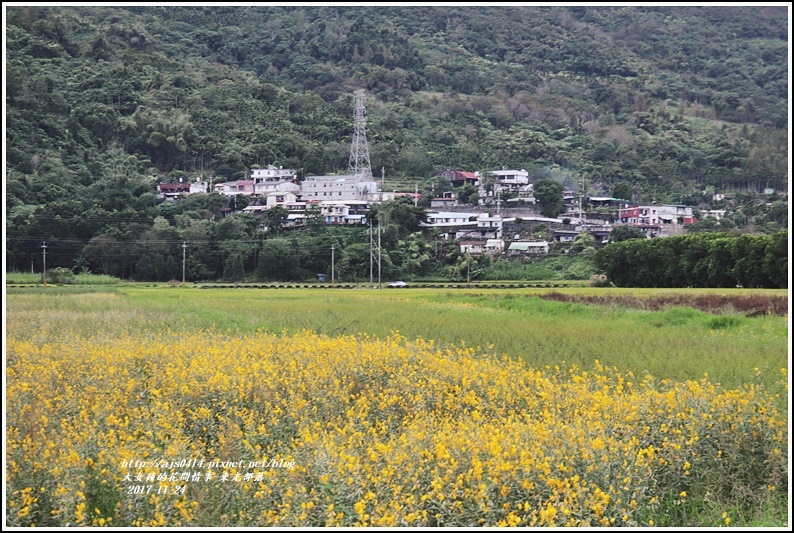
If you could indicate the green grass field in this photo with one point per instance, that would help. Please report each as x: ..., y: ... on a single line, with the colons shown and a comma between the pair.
x: 678, y: 343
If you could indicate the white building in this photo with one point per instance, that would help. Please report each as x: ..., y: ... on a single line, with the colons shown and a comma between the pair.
x: 199, y: 186
x: 280, y: 198
x: 487, y: 227
x: 506, y: 180
x: 656, y: 214
x: 492, y: 223
x: 444, y: 218
x: 488, y: 246
x: 716, y: 213
x: 233, y: 188
x: 268, y: 179
x: 343, y: 212
x: 511, y: 177
x: 533, y: 247
x: 494, y: 246
x: 347, y: 187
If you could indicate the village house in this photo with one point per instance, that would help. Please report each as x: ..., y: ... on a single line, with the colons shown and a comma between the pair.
x: 513, y: 181
x: 459, y: 178
x: 494, y: 246
x: 199, y: 186
x: 273, y: 179
x: 479, y: 247
x: 233, y: 188
x: 718, y: 214
x: 445, y: 200
x: 449, y: 223
x: 280, y: 198
x: 528, y: 248
x: 347, y: 187
x: 343, y: 212
x: 656, y: 215
x: 472, y: 247
x: 172, y: 191
x: 561, y: 235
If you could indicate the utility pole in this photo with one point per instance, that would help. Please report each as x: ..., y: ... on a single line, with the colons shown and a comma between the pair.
x: 371, y: 258
x: 184, y: 255
x: 581, y: 213
x: 44, y: 262
x: 416, y: 194
x: 468, y: 270
x: 380, y: 286
x: 333, y: 281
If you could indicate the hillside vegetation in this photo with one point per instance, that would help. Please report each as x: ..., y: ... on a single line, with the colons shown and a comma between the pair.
x: 105, y: 102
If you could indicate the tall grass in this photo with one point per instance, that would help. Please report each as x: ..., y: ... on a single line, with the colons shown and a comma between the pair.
x: 667, y: 344
x: 541, y: 269
x: 26, y: 278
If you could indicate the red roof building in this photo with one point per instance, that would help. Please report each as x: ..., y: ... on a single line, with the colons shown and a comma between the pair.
x: 458, y: 177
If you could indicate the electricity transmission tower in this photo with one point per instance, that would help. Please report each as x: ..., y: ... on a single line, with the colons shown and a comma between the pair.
x: 358, y: 164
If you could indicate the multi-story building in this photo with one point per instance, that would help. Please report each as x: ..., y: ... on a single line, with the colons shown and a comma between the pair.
x: 657, y: 215
x: 271, y: 178
x: 172, y: 191
x: 343, y: 212
x: 349, y: 187
x: 233, y: 188
x: 459, y: 178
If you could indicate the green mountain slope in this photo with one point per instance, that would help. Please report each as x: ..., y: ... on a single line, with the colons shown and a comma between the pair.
x: 102, y: 103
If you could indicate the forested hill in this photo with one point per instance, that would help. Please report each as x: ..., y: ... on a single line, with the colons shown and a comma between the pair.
x: 104, y: 102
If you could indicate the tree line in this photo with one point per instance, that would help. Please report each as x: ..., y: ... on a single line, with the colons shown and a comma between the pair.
x: 698, y: 260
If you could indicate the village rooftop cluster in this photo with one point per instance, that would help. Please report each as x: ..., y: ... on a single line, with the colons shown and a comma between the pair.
x: 346, y: 199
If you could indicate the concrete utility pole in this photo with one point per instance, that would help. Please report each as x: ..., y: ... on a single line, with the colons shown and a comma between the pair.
x: 371, y: 257
x: 333, y: 281
x: 44, y: 261
x: 184, y: 255
x: 380, y: 286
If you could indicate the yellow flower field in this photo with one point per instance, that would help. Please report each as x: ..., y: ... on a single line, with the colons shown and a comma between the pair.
x: 212, y: 428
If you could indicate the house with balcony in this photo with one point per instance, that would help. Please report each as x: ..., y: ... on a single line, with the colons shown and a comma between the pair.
x: 280, y: 198
x: 656, y: 215
x: 271, y: 178
x: 528, y: 248
x: 343, y: 187
x: 343, y: 212
x: 233, y: 188
x: 172, y: 191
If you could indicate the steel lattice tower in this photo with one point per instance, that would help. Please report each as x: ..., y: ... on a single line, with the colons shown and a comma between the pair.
x: 358, y: 164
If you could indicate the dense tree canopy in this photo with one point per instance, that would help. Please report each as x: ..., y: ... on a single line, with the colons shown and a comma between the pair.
x: 105, y: 102
x: 701, y: 260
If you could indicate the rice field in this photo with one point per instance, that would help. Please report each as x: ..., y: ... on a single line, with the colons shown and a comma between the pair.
x: 188, y: 407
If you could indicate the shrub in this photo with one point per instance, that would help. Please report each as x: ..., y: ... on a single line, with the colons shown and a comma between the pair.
x: 60, y: 276
x: 599, y: 280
